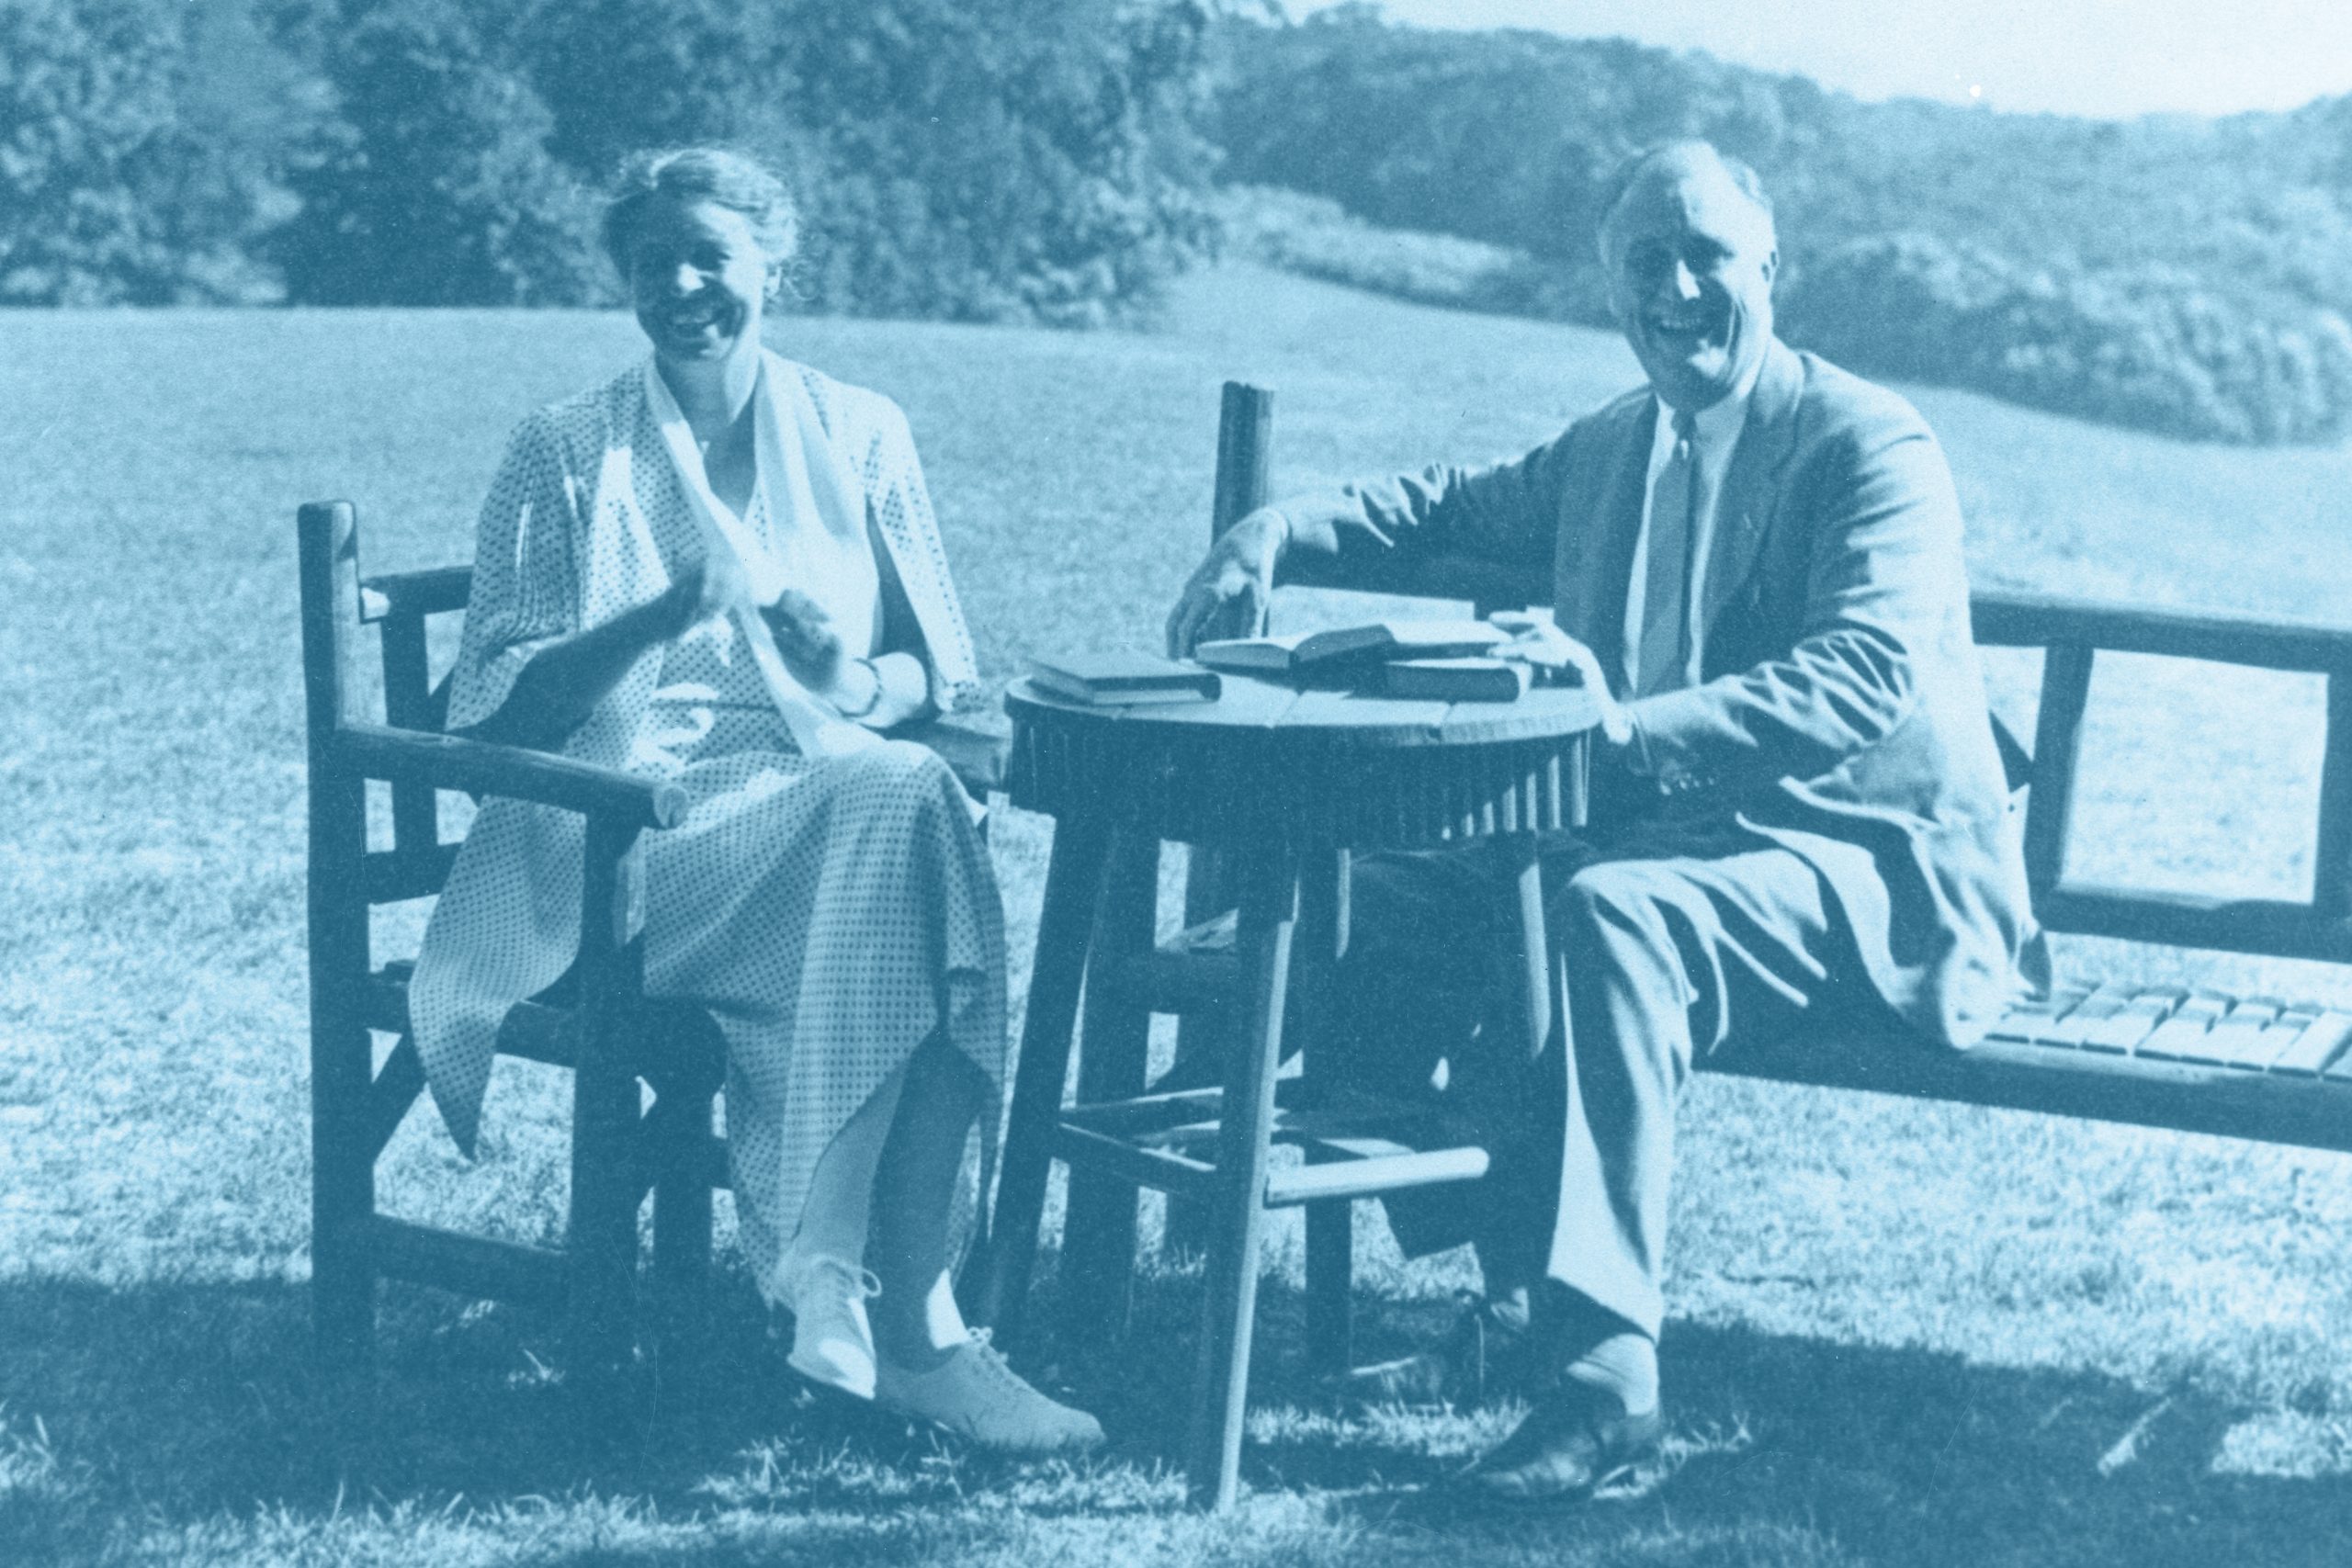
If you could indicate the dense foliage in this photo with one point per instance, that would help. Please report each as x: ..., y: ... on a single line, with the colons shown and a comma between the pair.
x: 110, y: 192
x: 1030, y: 159
x: 2189, y: 277
x: 1048, y: 160
x: 433, y: 184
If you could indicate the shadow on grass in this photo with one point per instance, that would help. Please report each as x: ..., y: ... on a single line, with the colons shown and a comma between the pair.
x: 166, y: 1405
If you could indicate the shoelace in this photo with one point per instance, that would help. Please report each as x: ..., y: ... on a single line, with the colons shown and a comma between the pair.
x: 856, y: 1282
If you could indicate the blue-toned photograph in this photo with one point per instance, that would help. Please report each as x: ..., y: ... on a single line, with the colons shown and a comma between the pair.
x: 1175, y: 782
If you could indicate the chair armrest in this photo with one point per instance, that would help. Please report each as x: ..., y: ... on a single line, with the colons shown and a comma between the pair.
x: 481, y: 767
x: 974, y: 744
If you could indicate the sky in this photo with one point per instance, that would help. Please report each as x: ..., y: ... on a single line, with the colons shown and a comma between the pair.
x: 2104, y: 58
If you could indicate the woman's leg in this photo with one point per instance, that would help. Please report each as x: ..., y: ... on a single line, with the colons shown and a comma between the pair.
x: 834, y: 1216
x: 916, y: 1321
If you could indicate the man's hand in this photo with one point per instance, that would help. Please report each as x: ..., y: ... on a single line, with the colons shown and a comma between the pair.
x: 1229, y: 594
x: 1536, y: 641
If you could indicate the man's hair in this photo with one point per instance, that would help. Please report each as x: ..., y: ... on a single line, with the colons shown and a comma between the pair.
x: 1623, y: 177
x: 722, y: 174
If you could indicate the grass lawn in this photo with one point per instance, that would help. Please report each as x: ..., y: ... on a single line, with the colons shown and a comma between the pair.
x: 1904, y: 1333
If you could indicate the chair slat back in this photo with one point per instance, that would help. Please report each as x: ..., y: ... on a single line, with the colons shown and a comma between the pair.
x: 338, y: 607
x: 327, y: 536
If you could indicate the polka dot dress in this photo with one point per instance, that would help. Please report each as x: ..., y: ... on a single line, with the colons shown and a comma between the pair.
x: 830, y: 913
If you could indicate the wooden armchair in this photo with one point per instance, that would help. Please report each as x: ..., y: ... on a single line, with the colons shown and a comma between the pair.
x: 597, y: 1020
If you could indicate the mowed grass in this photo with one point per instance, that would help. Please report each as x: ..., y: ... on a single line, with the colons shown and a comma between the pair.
x: 1904, y: 1333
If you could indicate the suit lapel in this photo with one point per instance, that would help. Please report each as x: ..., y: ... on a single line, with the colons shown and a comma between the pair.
x: 1744, y: 509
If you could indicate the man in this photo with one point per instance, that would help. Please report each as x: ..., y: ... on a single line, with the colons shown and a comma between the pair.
x: 1754, y: 563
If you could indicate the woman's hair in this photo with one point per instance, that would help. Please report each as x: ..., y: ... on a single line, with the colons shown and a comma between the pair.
x: 710, y: 174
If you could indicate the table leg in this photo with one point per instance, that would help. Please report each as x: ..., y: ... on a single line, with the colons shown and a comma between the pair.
x: 1269, y: 913
x: 1073, y: 880
x: 1532, y: 980
x: 1114, y: 1039
x: 1321, y: 943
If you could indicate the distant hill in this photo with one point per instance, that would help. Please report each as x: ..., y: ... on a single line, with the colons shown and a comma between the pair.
x: 2186, y: 276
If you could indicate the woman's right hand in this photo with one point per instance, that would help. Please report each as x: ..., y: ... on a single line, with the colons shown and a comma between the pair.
x: 713, y: 585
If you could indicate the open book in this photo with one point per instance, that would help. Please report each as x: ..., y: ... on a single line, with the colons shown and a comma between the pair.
x: 1348, y: 648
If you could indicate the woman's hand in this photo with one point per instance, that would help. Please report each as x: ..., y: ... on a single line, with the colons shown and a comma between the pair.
x: 1536, y: 641
x: 715, y: 585
x: 805, y: 636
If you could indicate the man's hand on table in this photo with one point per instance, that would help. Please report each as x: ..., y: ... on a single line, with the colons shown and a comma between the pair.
x: 1565, y: 662
x: 1229, y: 592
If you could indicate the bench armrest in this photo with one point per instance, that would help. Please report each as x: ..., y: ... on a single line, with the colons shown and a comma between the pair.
x: 481, y: 767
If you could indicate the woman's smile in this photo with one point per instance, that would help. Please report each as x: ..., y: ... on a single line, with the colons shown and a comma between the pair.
x: 698, y: 277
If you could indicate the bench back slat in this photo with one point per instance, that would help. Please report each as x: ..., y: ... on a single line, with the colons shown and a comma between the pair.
x: 2057, y: 752
x: 2332, y: 854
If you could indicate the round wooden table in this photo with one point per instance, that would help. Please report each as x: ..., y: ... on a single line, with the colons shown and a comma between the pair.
x: 1284, y: 784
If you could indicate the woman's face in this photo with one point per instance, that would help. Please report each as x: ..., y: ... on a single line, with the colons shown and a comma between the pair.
x: 696, y: 278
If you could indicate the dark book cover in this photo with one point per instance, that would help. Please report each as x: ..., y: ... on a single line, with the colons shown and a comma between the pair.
x: 1457, y: 680
x: 1123, y: 678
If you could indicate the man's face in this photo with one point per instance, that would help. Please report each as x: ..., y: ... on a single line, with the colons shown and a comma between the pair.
x: 1690, y: 261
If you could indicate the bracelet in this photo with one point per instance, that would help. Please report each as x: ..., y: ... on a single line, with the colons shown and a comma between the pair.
x: 874, y: 698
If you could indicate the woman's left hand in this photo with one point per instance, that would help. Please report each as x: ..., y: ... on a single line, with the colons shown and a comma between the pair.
x: 1536, y: 641
x: 805, y: 636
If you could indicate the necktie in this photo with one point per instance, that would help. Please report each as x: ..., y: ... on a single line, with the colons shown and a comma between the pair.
x: 1659, y: 664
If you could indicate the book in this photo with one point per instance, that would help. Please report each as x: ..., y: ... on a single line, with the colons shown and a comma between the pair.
x: 1457, y: 680
x: 1335, y: 647
x: 1123, y: 678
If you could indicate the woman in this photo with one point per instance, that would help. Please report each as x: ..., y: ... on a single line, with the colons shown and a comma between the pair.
x: 721, y: 567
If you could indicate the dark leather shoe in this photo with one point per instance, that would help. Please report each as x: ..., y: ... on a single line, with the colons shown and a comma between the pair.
x: 1576, y: 1440
x: 1489, y: 1354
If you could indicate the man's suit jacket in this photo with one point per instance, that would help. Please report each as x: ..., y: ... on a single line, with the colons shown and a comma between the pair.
x: 1840, y: 709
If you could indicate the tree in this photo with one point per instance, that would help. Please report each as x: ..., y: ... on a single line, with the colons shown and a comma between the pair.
x: 95, y: 158
x: 434, y: 187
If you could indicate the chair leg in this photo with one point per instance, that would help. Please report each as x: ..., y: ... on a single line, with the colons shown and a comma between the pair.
x: 1269, y: 913
x: 681, y: 1225
x: 1099, y: 1226
x: 343, y: 1202
x: 601, y: 1248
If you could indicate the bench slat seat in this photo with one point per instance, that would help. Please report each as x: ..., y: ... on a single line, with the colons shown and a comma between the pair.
x: 2155, y: 1055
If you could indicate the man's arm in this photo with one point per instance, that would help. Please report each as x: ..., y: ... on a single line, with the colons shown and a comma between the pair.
x: 1381, y: 537
x: 1884, y: 576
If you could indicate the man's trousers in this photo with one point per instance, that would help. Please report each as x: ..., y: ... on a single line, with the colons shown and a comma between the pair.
x: 1671, y: 941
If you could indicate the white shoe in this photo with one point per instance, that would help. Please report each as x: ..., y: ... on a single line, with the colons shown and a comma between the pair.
x: 832, y: 1342
x: 975, y: 1395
